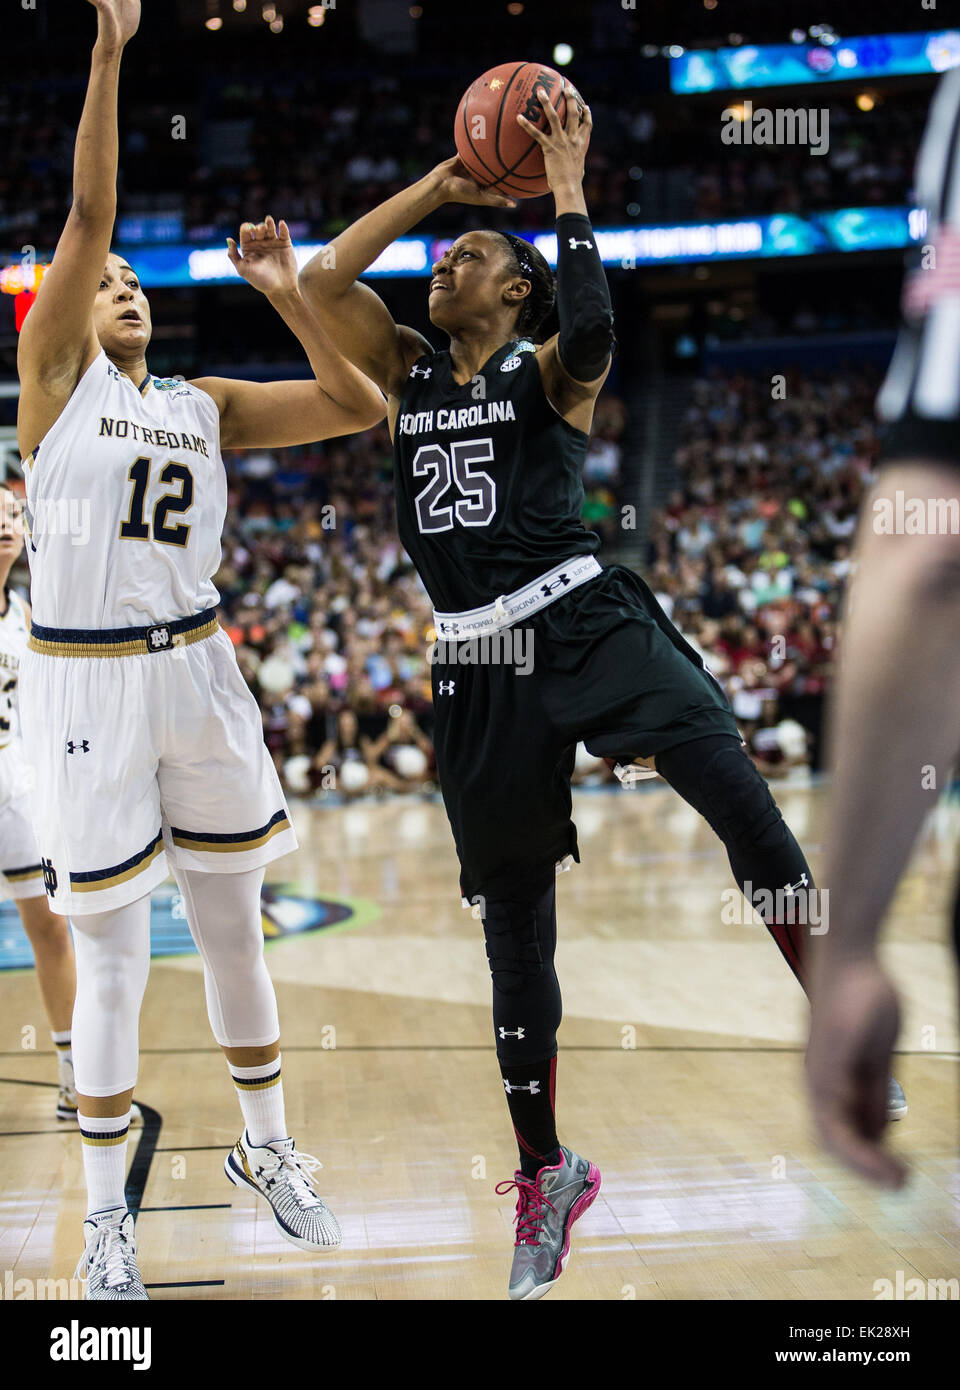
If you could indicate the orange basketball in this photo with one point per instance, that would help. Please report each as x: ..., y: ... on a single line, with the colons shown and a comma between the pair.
x: 495, y: 150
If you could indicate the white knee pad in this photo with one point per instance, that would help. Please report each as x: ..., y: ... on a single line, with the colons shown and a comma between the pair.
x: 223, y: 911
x: 113, y: 962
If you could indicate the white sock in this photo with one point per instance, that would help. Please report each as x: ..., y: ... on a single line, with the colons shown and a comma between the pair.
x: 260, y: 1092
x: 104, y: 1160
x: 61, y: 1042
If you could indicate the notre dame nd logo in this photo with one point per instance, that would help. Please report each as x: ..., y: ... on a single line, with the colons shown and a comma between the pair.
x: 49, y: 876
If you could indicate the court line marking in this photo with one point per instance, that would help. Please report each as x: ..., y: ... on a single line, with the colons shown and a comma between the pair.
x: 143, y: 1157
x: 483, y: 1047
x: 189, y: 1284
x: 200, y: 1206
x: 192, y: 1149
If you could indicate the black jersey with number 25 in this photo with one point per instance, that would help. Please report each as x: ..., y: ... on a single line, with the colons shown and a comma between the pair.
x: 488, y: 478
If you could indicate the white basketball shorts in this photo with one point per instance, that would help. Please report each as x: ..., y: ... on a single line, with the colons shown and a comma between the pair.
x: 20, y: 873
x: 148, y: 754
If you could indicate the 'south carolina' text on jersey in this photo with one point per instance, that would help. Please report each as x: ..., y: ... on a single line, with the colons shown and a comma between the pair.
x: 459, y: 418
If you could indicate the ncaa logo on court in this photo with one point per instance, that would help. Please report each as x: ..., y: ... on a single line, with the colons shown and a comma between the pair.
x: 284, y: 913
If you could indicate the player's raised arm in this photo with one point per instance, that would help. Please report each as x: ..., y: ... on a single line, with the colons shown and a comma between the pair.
x: 340, y: 400
x: 575, y: 362
x: 357, y: 317
x: 58, y: 341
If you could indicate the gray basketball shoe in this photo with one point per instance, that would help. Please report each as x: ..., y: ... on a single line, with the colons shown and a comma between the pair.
x: 896, y: 1100
x: 546, y: 1210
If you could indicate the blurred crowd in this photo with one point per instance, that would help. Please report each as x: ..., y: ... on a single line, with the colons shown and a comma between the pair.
x: 868, y: 162
x: 319, y: 148
x: 752, y: 551
x: 331, y: 623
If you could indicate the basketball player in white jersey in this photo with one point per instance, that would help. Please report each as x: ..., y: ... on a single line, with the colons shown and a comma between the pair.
x: 146, y: 743
x: 21, y: 876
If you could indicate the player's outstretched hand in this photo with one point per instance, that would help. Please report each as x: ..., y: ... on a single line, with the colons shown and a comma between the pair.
x: 855, y: 1018
x: 457, y: 186
x: 265, y: 256
x: 564, y: 143
x: 117, y: 21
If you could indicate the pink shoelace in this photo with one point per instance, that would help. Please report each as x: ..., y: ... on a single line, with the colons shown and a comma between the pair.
x: 530, y: 1204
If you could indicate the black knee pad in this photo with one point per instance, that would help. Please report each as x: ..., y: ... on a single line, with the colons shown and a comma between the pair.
x: 520, y: 939
x: 737, y: 802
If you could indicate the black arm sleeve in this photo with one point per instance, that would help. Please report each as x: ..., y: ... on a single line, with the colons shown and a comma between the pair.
x: 583, y: 300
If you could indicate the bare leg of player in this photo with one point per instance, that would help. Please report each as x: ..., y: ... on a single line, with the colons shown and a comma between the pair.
x: 49, y: 937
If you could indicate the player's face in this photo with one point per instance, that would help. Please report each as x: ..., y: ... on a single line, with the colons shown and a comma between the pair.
x: 469, y: 281
x: 11, y: 527
x: 121, y: 314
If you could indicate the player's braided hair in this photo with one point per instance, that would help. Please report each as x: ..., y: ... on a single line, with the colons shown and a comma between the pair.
x: 537, y: 308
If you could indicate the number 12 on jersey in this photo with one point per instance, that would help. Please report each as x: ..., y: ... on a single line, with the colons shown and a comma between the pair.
x: 478, y: 501
x: 135, y: 528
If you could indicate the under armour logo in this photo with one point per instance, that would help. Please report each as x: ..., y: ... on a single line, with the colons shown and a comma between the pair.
x: 533, y: 1088
x: 159, y: 637
x: 450, y: 627
x: 560, y: 582
x: 420, y: 371
x: 82, y: 747
x: 504, y: 1033
x: 447, y: 687
x: 573, y: 243
x: 49, y: 876
x: 792, y: 887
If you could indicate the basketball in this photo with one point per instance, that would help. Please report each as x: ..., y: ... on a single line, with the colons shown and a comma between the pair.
x: 494, y: 149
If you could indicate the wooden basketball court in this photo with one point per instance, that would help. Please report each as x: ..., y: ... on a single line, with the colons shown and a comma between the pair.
x: 679, y: 1075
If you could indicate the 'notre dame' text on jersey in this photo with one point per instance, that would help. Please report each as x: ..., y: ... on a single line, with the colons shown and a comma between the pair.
x: 488, y: 478
x: 126, y: 498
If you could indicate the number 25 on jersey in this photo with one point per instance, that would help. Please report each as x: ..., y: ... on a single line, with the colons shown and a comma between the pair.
x: 478, y: 500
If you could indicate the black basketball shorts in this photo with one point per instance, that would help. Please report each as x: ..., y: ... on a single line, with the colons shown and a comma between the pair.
x: 607, y: 668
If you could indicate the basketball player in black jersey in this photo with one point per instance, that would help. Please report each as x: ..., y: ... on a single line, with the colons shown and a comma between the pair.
x: 490, y: 437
